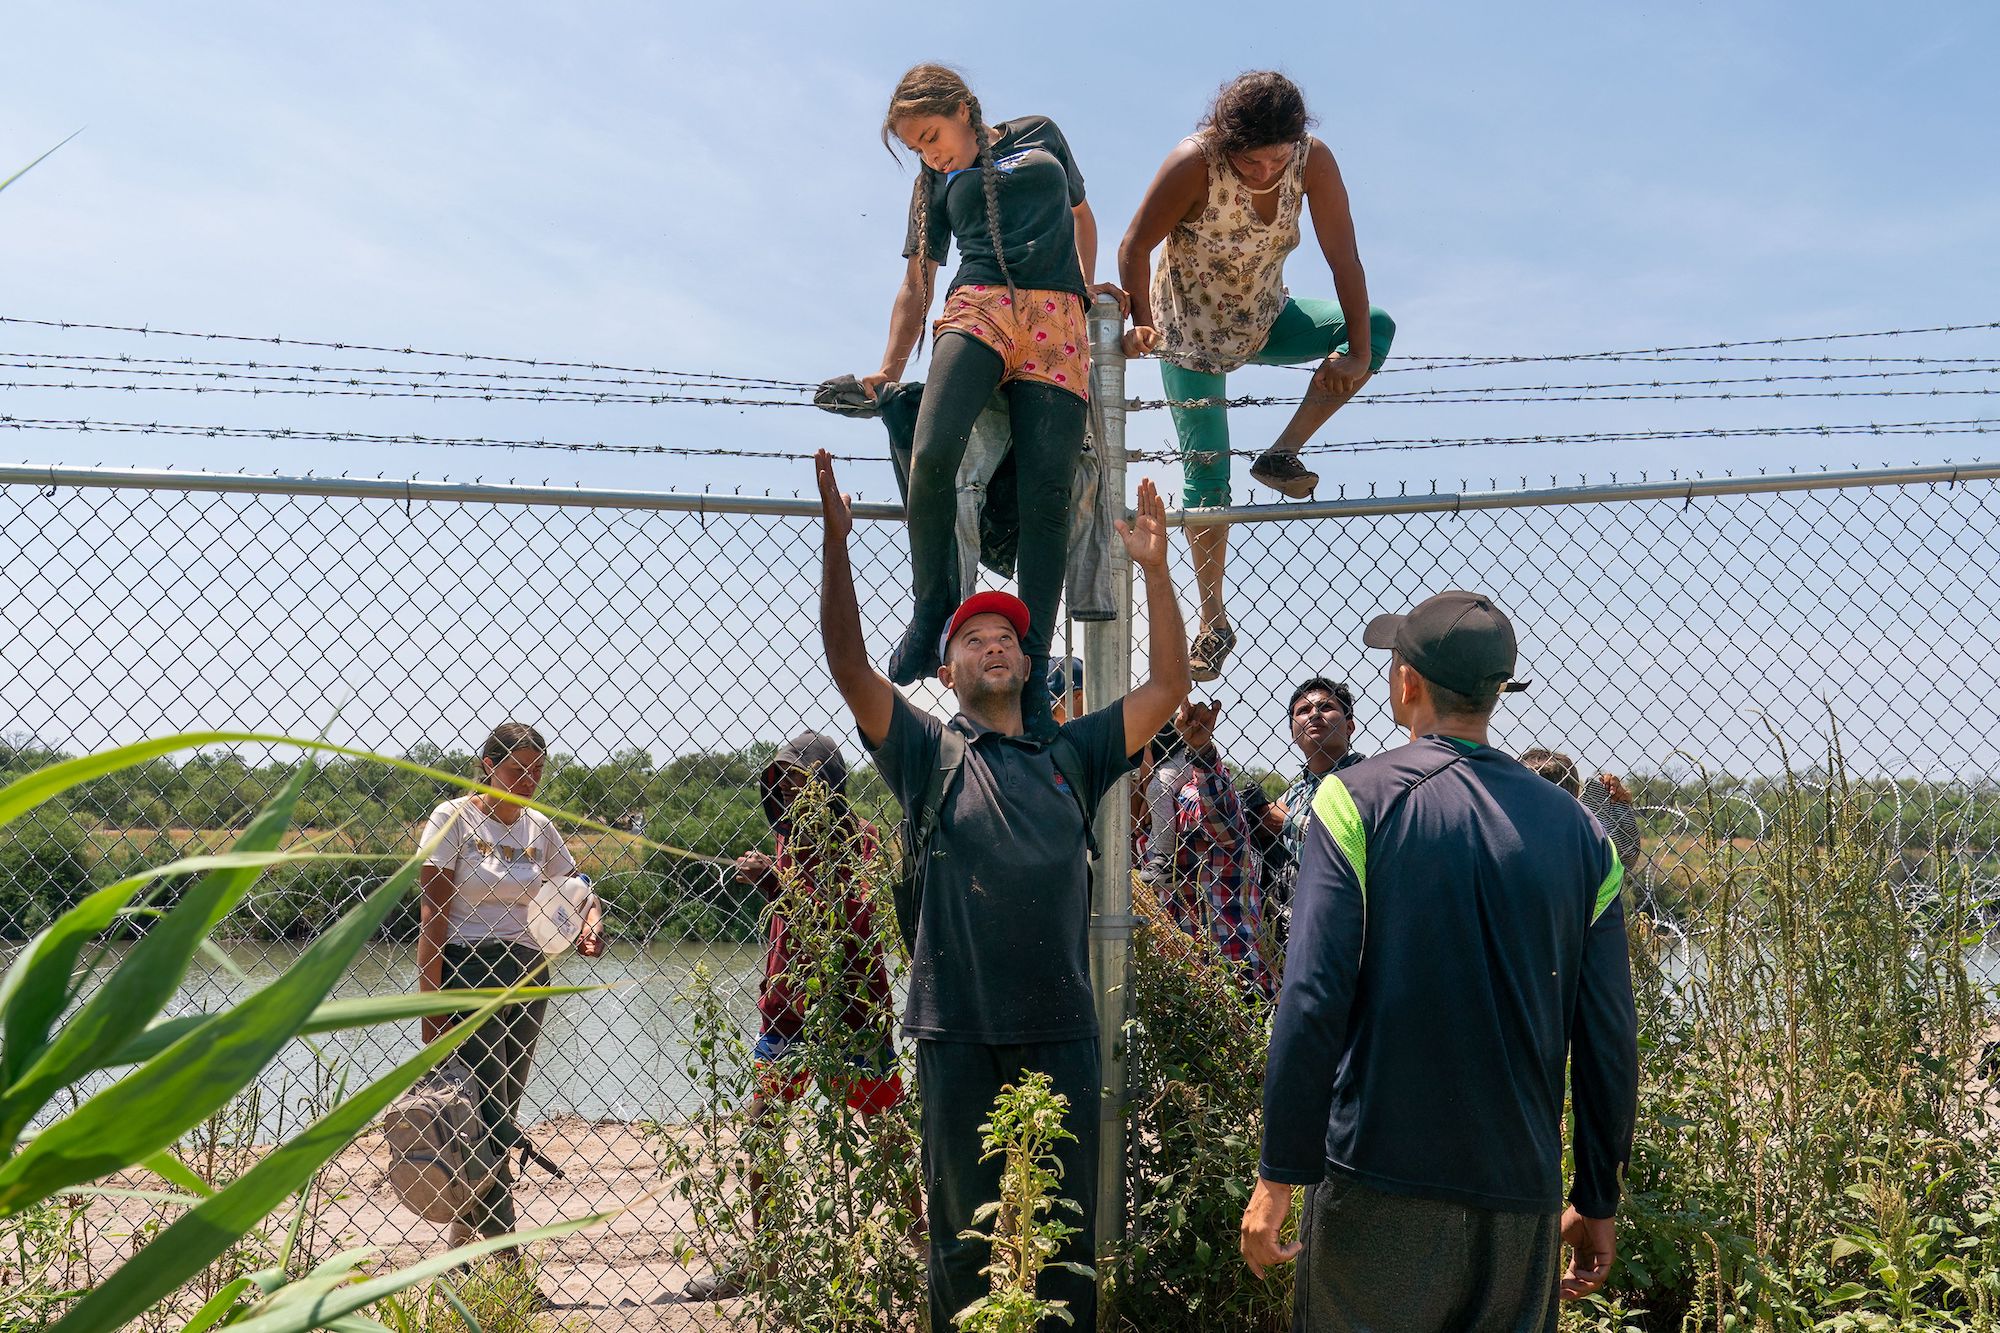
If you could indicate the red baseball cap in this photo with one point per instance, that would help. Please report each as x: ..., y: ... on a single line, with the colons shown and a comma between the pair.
x: 986, y: 603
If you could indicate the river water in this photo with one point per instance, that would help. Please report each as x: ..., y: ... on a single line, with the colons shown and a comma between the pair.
x: 619, y: 1053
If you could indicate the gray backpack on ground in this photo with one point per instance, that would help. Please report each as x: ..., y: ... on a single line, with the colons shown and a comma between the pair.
x: 441, y: 1159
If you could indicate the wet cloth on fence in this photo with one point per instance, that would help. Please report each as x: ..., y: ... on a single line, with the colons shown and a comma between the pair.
x: 987, y: 525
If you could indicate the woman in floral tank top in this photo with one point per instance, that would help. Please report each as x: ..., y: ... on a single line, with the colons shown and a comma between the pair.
x: 1227, y: 203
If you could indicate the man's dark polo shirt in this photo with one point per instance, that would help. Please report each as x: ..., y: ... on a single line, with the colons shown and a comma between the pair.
x: 1003, y: 952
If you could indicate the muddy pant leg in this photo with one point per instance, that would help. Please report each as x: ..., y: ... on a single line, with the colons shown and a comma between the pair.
x: 964, y: 374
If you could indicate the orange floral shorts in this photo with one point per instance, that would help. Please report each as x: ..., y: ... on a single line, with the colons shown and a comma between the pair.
x: 1040, y: 336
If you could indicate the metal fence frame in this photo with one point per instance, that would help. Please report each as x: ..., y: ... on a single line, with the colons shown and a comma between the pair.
x: 1107, y: 646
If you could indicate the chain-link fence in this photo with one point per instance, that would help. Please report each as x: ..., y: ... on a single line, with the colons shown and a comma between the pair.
x: 1699, y: 646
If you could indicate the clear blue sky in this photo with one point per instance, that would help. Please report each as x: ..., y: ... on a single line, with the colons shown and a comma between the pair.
x: 701, y: 187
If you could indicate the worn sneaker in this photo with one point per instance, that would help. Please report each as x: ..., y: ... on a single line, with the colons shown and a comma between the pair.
x: 1283, y: 473
x: 1210, y: 649
x: 726, y: 1285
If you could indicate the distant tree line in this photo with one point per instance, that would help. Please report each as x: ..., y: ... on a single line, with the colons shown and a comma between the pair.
x: 704, y: 803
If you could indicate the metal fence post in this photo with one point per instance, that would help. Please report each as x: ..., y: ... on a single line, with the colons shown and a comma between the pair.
x: 1107, y: 657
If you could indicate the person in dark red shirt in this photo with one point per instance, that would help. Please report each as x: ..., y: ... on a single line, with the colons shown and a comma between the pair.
x: 822, y: 865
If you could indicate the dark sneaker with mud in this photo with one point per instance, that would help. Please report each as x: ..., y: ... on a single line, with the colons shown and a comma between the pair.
x: 1283, y: 473
x: 1210, y: 649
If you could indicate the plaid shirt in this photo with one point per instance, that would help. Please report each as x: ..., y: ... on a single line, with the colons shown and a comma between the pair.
x: 1299, y: 799
x: 1211, y: 870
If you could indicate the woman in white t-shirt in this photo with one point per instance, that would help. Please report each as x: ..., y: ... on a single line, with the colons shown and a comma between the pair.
x: 479, y: 886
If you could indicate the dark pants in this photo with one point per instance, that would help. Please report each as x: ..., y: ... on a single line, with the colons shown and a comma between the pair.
x: 1047, y: 424
x: 499, y: 1055
x: 958, y: 1082
x: 1383, y: 1263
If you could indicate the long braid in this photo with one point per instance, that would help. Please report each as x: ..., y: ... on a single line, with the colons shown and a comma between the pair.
x: 936, y: 90
x: 920, y: 220
x: 989, y: 177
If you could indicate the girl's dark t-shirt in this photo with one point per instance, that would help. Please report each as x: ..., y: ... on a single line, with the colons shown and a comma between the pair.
x: 1039, y: 185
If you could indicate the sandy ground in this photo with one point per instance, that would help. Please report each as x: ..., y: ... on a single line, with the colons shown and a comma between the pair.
x: 620, y: 1275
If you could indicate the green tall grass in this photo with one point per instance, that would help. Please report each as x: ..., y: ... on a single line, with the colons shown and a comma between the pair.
x: 1816, y: 1146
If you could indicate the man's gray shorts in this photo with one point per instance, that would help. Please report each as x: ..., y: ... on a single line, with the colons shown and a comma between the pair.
x: 1385, y: 1263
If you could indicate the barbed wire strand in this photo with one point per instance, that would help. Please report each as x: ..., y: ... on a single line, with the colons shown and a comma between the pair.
x: 148, y: 331
x: 118, y: 362
x: 1413, y: 361
x: 475, y: 394
x: 1958, y: 426
x: 476, y: 385
x: 1445, y: 362
x: 470, y: 393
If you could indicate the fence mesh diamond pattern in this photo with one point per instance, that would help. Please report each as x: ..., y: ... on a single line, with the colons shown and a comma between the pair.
x: 1698, y: 648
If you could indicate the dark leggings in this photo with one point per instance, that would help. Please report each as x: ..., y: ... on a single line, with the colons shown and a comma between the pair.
x: 1047, y: 426
x: 499, y: 1054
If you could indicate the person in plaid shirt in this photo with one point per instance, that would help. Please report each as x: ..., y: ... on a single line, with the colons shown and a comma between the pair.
x: 1196, y: 851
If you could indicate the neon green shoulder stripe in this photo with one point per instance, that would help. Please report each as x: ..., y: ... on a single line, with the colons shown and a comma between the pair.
x: 1607, y: 892
x: 1334, y: 805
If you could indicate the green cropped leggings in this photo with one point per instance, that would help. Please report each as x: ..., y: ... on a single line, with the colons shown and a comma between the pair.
x: 1304, y: 331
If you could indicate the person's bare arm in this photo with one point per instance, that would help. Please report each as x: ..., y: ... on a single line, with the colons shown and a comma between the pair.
x: 869, y: 695
x: 1333, y: 223
x: 1086, y: 257
x: 434, y: 917
x: 1150, y: 704
x: 1178, y: 190
x: 906, y: 323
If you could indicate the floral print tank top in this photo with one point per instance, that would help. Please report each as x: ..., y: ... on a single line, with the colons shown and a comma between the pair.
x: 1221, y: 281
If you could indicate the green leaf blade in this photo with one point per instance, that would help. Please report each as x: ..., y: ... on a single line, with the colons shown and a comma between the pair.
x: 151, y: 1107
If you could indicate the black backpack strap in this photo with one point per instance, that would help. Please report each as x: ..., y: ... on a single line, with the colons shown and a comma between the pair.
x: 530, y: 1153
x: 1069, y: 762
x: 918, y: 827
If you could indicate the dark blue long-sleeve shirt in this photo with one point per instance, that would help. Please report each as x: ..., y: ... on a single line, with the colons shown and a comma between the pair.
x: 1458, y: 939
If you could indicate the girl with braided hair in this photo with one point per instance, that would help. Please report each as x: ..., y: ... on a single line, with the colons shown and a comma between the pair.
x: 1227, y: 204
x: 1011, y: 197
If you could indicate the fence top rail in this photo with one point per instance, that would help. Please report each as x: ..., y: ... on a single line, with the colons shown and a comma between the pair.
x: 1427, y: 502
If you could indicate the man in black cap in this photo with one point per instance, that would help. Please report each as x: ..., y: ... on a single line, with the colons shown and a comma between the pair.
x: 1458, y: 942
x: 999, y: 967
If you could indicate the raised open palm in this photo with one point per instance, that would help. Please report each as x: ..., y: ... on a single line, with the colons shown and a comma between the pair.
x: 836, y: 510
x: 1145, y: 537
